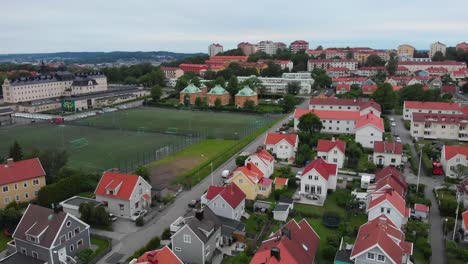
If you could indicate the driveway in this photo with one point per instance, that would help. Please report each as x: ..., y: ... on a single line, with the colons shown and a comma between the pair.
x: 126, y: 244
x: 436, y: 235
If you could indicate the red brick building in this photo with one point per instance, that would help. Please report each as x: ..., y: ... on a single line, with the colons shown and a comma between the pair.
x: 218, y: 92
x: 245, y: 94
x: 193, y: 92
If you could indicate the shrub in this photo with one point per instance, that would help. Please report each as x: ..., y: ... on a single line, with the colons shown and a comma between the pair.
x: 140, y: 221
x: 166, y: 234
x: 343, y: 197
x: 329, y: 252
x: 407, y: 125
x: 333, y: 240
x: 85, y: 255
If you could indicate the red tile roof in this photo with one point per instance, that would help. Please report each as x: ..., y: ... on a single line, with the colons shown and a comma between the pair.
x: 331, y: 60
x: 370, y: 119
x: 111, y: 180
x: 328, y: 114
x: 350, y: 79
x: 449, y: 88
x: 20, y: 171
x: 281, y: 181
x: 234, y: 57
x: 324, y: 168
x: 387, y: 183
x: 432, y: 105
x: 393, y: 198
x: 324, y: 145
x: 264, y: 155
x: 345, y: 102
x: 421, y: 207
x: 382, y: 233
x: 376, y: 68
x: 465, y: 220
x: 232, y: 194
x: 265, y: 181
x: 159, y: 256
x: 343, y: 87
x: 437, y: 70
x: 452, y: 151
x: 441, y: 118
x: 403, y: 63
x: 388, y: 147
x: 391, y: 171
x: 369, y: 88
x: 371, y: 103
x: 337, y: 69
x: 300, y: 42
x: 301, y: 248
x: 274, y: 138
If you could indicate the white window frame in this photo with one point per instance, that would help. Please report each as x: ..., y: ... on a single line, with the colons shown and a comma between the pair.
x: 188, y: 239
x: 370, y: 253
x: 5, y: 188
x: 378, y: 258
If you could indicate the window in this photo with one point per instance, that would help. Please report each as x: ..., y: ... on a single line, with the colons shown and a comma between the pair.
x: 307, y: 188
x: 335, y: 160
x: 388, y: 210
x: 79, y: 243
x: 5, y: 188
x: 316, y: 178
x: 17, y: 198
x: 122, y: 207
x: 77, y: 230
x: 207, y: 251
x: 381, y: 258
x: 72, y: 248
x: 241, y: 181
x: 68, y: 223
x: 24, y: 251
x: 25, y: 184
x: 16, y: 186
x: 6, y: 200
x: 70, y: 234
x: 177, y: 249
x: 187, y: 239
x: 393, y: 160
x: 26, y: 195
x: 319, y: 189
x: 223, y: 205
x: 370, y: 255
x: 382, y: 209
x: 36, y: 182
x: 335, y: 151
x: 34, y: 254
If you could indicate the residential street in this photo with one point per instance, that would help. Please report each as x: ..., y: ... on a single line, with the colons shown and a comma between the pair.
x: 436, y: 232
x: 127, y: 244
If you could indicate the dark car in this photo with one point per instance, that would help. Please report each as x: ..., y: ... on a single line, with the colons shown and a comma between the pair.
x: 194, y: 203
x: 416, y: 217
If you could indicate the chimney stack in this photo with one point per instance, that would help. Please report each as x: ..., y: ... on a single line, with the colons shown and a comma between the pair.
x: 333, y: 139
x: 286, y: 232
x: 10, y: 161
x: 275, y: 252
x: 199, y: 215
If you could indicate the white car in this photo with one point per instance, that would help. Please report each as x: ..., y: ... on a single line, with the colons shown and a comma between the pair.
x: 398, y: 139
x: 392, y: 119
x: 299, y: 175
x: 393, y: 124
x: 137, y: 214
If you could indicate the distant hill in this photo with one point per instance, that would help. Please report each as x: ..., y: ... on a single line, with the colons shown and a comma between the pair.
x: 98, y: 57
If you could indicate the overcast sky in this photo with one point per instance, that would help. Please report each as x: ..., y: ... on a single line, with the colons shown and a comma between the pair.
x: 29, y: 26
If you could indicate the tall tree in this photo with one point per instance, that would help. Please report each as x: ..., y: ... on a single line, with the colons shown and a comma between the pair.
x: 310, y: 123
x: 392, y: 64
x: 16, y: 152
x: 385, y: 96
x: 272, y: 70
x: 294, y: 87
x: 349, y: 54
x: 156, y: 93
x: 233, y: 85
x: 53, y: 160
x: 438, y: 56
x: 319, y: 47
x: 143, y: 172
x: 288, y: 103
x: 373, y: 61
x: 321, y: 79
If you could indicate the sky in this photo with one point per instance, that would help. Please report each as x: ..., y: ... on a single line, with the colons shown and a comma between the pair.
x: 32, y: 26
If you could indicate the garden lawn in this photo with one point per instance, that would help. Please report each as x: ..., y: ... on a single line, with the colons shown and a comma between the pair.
x: 3, y: 241
x: 101, y: 244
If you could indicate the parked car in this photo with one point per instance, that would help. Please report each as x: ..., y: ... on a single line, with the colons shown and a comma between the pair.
x: 416, y: 217
x: 398, y: 139
x: 392, y: 119
x: 137, y: 214
x: 225, y: 174
x: 112, y: 217
x: 299, y: 175
x: 194, y: 203
x: 393, y: 124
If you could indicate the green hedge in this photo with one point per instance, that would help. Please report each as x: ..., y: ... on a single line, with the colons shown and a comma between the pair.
x: 153, y: 244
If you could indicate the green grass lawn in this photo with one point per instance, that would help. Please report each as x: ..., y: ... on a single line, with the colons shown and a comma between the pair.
x: 105, y: 149
x: 3, y: 241
x: 213, y: 124
x: 101, y: 244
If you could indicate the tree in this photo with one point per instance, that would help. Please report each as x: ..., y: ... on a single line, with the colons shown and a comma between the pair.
x: 294, y: 87
x: 411, y: 92
x: 385, y: 96
x: 461, y: 171
x: 438, y: 56
x: 187, y: 100
x: 465, y: 88
x: 217, y: 103
x: 143, y: 172
x: 321, y: 79
x: 374, y: 61
x: 221, y: 81
x: 181, y: 83
x: 196, y: 81
x: 155, y: 77
x: 304, y: 154
x: 249, y: 105
x: 392, y: 64
x: 349, y: 54
x: 353, y: 152
x: 156, y: 93
x: 53, y: 160
x: 198, y: 102
x: 240, y: 160
x: 94, y: 215
x: 319, y: 47
x: 310, y: 123
x: 16, y: 152
x: 233, y: 86
x: 85, y: 255
x: 288, y: 103
x: 272, y: 70
x: 86, y: 212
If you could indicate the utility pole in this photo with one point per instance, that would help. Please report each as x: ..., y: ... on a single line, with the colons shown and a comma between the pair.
x: 419, y: 171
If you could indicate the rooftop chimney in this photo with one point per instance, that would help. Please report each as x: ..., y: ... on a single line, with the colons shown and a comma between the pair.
x: 10, y: 161
x: 286, y: 232
x: 333, y: 139
x: 275, y: 252
x: 199, y: 214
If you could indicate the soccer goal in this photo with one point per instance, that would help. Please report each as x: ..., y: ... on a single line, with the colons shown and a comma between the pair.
x: 172, y: 130
x: 141, y: 130
x: 79, y: 143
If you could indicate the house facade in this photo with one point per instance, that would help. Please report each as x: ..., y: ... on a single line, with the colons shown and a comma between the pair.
x: 123, y: 194
x: 387, y: 153
x: 262, y: 160
x: 284, y: 146
x: 390, y: 204
x: 317, y: 178
x: 226, y: 201
x: 20, y: 181
x: 439, y: 126
x: 451, y: 157
x: 333, y: 151
x: 369, y: 129
x: 410, y: 107
x: 51, y: 236
x: 336, y: 104
x: 251, y: 181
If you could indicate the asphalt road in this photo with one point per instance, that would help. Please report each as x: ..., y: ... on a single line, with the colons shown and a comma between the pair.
x: 436, y: 235
x: 155, y: 227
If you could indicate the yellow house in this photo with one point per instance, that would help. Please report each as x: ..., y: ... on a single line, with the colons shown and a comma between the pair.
x: 250, y: 180
x: 280, y: 183
x: 20, y: 181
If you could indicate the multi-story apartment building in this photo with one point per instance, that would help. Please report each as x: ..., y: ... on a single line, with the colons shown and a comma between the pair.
x: 437, y: 46
x: 275, y: 85
x: 281, y: 46
x: 172, y: 72
x: 370, y: 71
x: 405, y: 50
x: 335, y: 104
x: 299, y: 45
x: 267, y: 46
x: 462, y: 46
x: 351, y: 64
x: 411, y: 107
x: 214, y: 49
x: 196, y: 68
x: 20, y: 181
x: 414, y: 66
x: 439, y: 126
x: 49, y: 86
x: 329, y: 53
x: 247, y: 48
x: 338, y: 72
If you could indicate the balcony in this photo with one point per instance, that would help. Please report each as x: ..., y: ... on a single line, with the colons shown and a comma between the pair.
x: 177, y: 224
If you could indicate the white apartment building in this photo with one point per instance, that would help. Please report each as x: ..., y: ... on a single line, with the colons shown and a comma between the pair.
x: 172, y: 72
x: 275, y: 85
x: 27, y: 89
x: 336, y: 104
x: 437, y: 46
x: 214, y: 49
x: 410, y: 107
x: 351, y: 64
x: 414, y: 66
x: 439, y: 126
x: 334, y: 122
x: 267, y: 46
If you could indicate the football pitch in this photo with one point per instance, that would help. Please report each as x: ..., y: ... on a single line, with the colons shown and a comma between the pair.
x: 93, y: 149
x: 206, y: 124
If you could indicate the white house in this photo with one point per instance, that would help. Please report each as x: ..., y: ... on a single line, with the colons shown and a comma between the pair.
x: 369, y: 128
x: 389, y: 203
x: 284, y: 146
x: 452, y: 156
x: 333, y: 151
x: 123, y: 194
x: 380, y: 241
x: 387, y: 153
x: 410, y: 107
x: 317, y: 178
x: 226, y: 201
x: 263, y: 160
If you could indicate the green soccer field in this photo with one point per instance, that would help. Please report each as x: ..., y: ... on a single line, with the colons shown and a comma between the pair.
x: 90, y: 148
x: 209, y: 124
